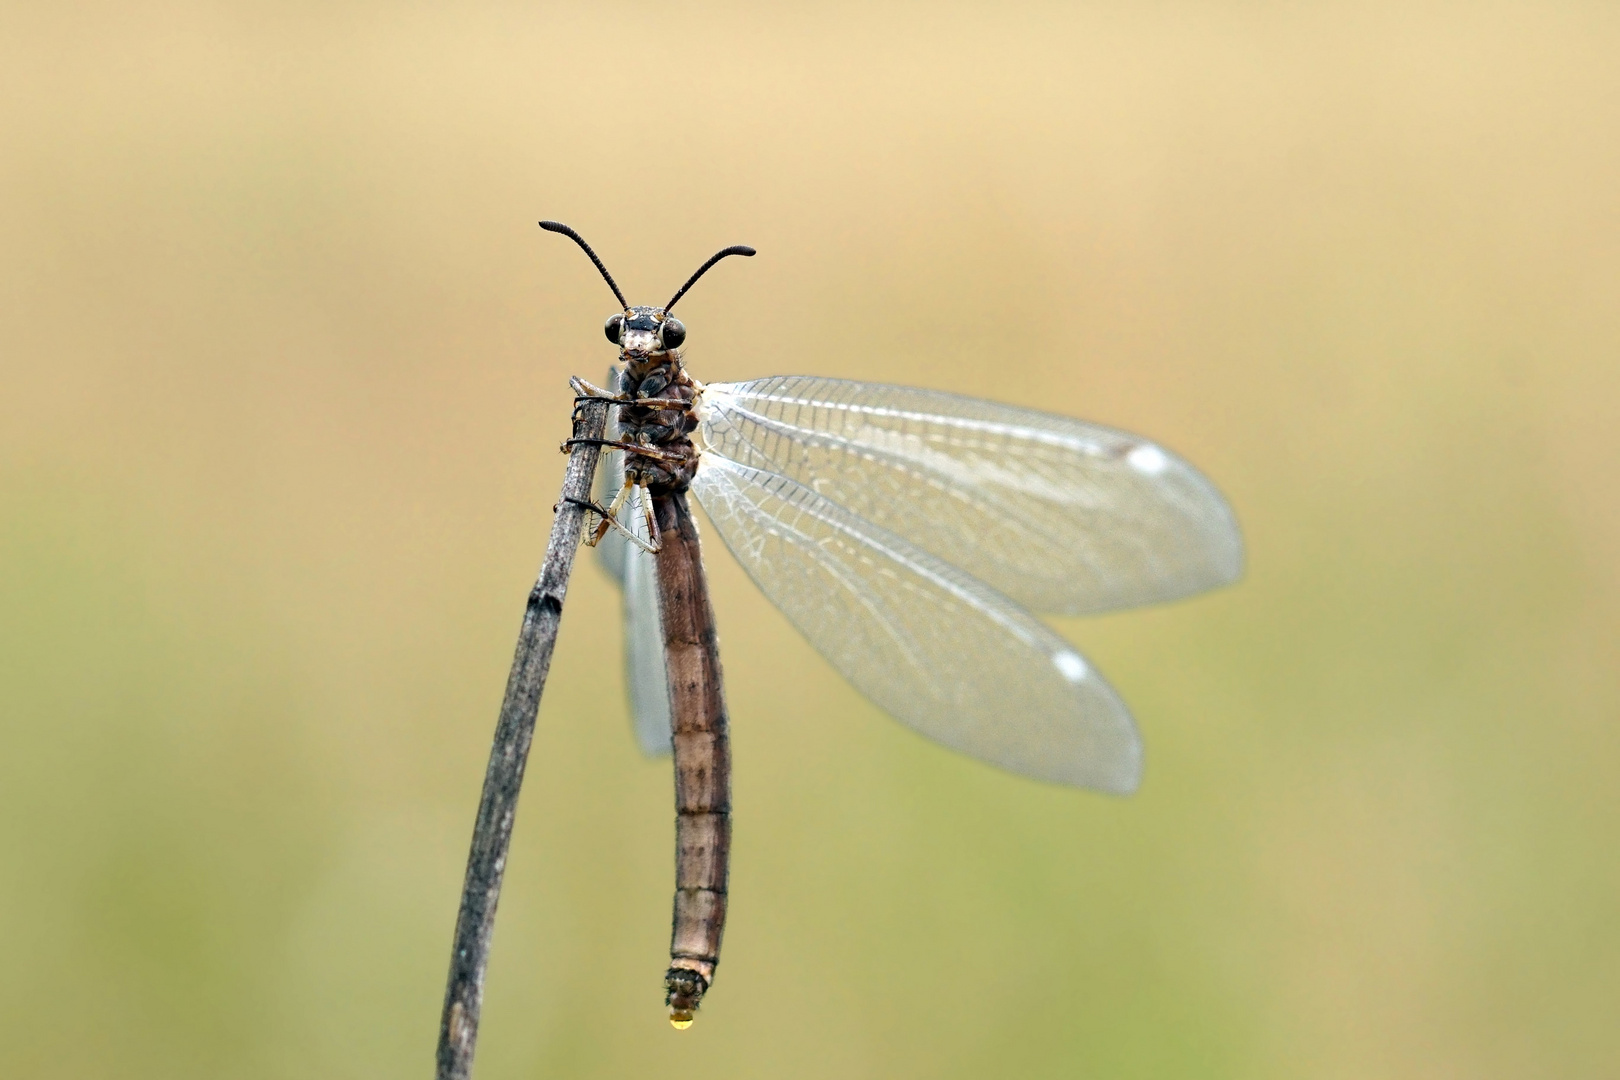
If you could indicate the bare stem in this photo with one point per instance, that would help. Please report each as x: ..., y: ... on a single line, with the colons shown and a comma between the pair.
x: 492, y: 833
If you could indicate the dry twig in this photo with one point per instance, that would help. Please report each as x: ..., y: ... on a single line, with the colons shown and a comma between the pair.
x: 492, y: 833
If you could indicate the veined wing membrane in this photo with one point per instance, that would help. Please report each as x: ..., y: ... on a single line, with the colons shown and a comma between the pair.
x: 644, y: 678
x: 610, y: 551
x: 637, y: 575
x: 644, y: 671
x: 937, y: 649
x: 1058, y: 514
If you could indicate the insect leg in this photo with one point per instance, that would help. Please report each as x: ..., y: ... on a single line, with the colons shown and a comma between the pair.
x: 629, y: 448
x: 611, y: 518
x: 591, y: 392
x: 659, y: 402
x: 645, y: 496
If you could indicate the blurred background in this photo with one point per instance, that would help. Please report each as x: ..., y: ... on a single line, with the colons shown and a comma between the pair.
x: 283, y: 364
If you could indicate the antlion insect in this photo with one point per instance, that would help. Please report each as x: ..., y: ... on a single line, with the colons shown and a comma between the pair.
x: 658, y: 411
x: 908, y: 534
x: 905, y: 533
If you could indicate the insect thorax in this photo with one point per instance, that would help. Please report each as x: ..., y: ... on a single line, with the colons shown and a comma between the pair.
x: 666, y: 428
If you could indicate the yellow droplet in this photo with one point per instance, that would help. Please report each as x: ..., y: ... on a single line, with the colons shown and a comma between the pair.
x: 680, y: 1020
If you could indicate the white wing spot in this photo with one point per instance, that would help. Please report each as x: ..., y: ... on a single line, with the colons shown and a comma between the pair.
x: 1070, y: 666
x: 1148, y: 459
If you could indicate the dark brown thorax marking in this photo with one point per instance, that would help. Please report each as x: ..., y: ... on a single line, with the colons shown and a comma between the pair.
x: 662, y: 427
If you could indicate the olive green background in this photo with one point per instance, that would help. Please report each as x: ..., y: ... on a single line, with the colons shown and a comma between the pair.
x: 283, y: 364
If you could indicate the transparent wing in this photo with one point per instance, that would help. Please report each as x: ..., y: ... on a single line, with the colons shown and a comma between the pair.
x: 644, y: 643
x: 609, y: 479
x: 636, y: 573
x: 1058, y: 514
x: 939, y: 650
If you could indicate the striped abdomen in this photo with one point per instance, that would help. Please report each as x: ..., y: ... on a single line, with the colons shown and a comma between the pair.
x: 702, y: 760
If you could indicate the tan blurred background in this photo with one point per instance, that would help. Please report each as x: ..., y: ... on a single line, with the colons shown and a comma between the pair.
x: 283, y: 364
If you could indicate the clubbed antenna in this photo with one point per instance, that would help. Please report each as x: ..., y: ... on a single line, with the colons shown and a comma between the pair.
x: 559, y: 227
x: 735, y: 249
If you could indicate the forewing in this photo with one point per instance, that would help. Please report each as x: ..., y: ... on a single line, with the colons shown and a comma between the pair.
x: 1058, y: 514
x: 937, y: 649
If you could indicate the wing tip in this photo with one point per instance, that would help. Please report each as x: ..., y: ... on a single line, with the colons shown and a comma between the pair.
x: 1117, y: 771
x: 1123, y: 786
x: 1126, y: 778
x: 1230, y: 571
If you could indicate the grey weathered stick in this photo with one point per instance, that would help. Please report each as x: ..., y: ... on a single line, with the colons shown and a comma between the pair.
x: 492, y: 833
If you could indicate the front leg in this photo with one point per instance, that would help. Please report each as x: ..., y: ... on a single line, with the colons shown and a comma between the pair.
x: 589, y: 391
x: 630, y: 448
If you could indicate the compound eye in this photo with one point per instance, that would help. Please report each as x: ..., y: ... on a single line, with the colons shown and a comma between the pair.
x: 674, y: 333
x: 614, y: 328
